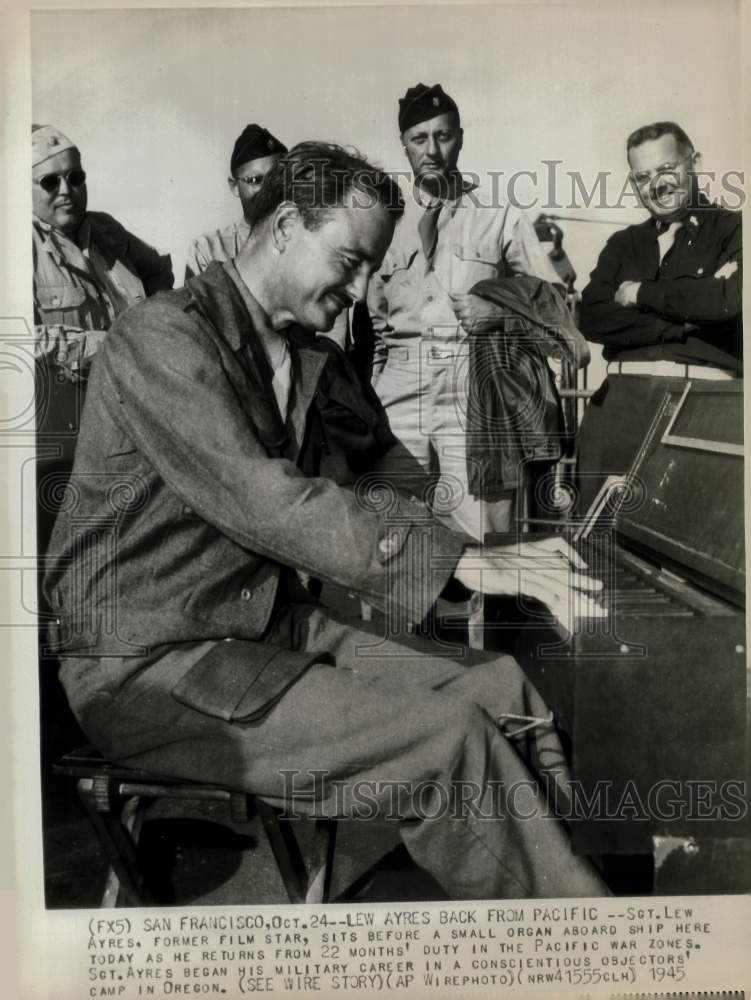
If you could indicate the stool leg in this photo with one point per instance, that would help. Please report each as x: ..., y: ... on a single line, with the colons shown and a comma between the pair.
x: 114, y: 837
x: 322, y: 861
x: 286, y: 851
x: 131, y: 818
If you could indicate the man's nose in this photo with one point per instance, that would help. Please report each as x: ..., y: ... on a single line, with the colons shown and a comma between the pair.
x: 662, y: 185
x: 65, y: 187
x: 358, y: 287
x: 432, y: 146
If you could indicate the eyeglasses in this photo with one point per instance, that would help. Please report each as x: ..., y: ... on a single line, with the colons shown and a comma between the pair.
x: 51, y: 182
x: 645, y: 178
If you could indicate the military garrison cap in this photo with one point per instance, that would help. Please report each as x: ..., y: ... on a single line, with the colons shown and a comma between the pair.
x: 421, y: 103
x: 47, y: 141
x: 254, y: 142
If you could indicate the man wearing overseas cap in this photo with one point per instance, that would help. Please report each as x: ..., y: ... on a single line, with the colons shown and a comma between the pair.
x: 454, y: 234
x: 87, y: 267
x: 255, y: 152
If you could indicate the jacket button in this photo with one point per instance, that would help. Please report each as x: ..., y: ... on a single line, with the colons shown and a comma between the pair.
x: 246, y: 594
x: 387, y: 547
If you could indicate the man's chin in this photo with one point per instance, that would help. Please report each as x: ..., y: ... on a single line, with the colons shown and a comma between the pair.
x: 668, y: 209
x: 321, y: 322
x: 68, y: 222
x: 433, y: 180
x: 333, y: 310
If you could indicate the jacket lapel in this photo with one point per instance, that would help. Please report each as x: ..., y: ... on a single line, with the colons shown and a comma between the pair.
x: 308, y: 365
x: 216, y: 298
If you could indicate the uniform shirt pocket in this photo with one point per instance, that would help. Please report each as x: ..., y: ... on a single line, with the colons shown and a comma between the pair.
x: 472, y: 261
x: 59, y: 303
x: 60, y: 297
x: 396, y: 264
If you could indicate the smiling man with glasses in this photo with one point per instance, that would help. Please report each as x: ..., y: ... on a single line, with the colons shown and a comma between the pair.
x: 664, y: 300
x: 87, y: 267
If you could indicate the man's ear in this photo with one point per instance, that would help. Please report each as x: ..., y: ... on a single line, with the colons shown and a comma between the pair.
x: 695, y: 161
x: 461, y: 137
x: 284, y: 222
x: 232, y: 184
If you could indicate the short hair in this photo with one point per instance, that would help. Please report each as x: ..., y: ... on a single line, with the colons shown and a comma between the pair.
x: 317, y: 177
x: 656, y: 130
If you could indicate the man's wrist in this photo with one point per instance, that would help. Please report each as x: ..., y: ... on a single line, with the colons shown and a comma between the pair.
x: 648, y: 296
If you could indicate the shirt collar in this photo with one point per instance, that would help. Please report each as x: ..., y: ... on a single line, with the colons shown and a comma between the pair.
x: 51, y: 235
x: 259, y: 321
x: 460, y: 187
x: 55, y: 239
x: 693, y: 218
x: 307, y: 360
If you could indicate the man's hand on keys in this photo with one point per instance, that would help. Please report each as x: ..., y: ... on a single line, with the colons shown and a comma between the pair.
x: 548, y: 570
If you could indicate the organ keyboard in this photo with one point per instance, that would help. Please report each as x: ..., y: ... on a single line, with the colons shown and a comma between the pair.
x: 653, y: 698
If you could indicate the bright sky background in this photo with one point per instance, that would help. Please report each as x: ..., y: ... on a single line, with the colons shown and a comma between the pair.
x: 156, y: 98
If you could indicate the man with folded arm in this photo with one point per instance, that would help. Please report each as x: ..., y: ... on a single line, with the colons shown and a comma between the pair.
x: 189, y: 645
x: 664, y: 300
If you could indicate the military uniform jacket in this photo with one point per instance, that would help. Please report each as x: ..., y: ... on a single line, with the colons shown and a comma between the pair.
x: 681, y: 289
x: 81, y: 286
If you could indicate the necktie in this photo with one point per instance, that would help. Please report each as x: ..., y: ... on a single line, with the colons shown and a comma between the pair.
x: 428, y: 229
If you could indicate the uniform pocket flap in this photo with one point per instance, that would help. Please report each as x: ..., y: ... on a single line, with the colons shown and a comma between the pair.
x: 396, y: 260
x: 238, y: 681
x: 60, y: 297
x: 487, y: 252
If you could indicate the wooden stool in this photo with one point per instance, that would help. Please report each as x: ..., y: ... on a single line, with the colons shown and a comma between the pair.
x: 113, y: 797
